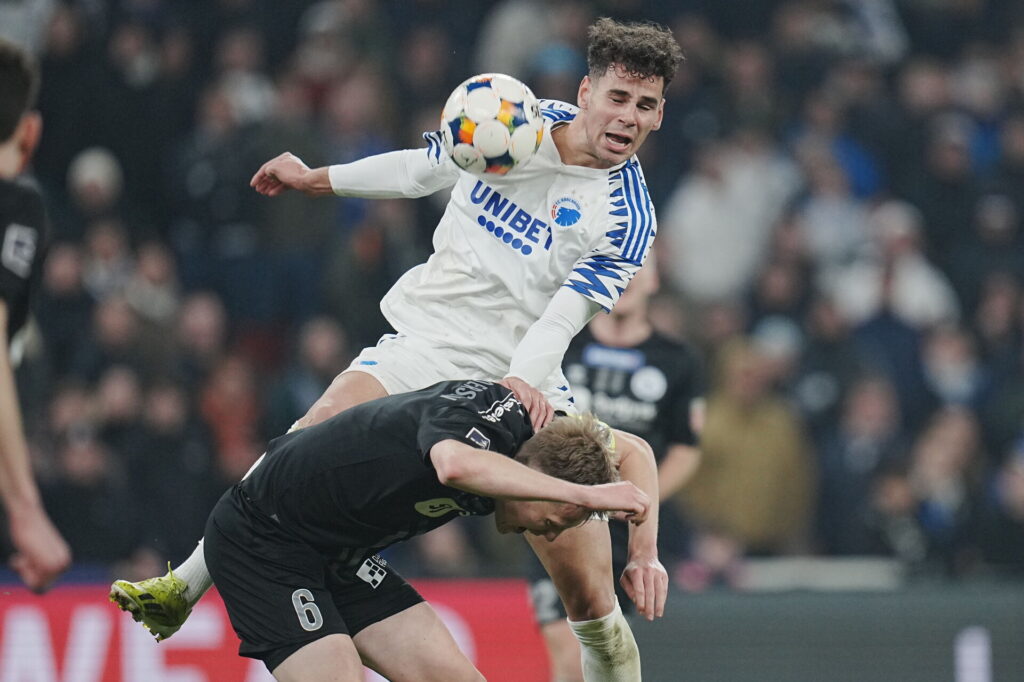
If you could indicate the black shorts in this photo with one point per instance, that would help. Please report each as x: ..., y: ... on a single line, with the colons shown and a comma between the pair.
x: 547, y: 606
x: 281, y: 593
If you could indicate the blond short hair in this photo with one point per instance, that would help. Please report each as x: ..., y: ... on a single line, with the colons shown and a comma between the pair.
x: 576, y: 448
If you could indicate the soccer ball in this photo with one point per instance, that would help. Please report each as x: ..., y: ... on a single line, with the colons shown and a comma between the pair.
x: 491, y: 124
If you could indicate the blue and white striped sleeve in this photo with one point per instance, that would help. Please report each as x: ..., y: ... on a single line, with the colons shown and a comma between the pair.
x: 602, y: 274
x: 556, y: 111
x: 435, y: 149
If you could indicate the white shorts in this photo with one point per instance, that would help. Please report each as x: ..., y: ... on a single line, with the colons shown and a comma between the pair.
x: 402, y: 363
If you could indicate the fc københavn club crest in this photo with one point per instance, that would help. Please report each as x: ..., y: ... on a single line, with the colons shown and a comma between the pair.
x: 566, y: 212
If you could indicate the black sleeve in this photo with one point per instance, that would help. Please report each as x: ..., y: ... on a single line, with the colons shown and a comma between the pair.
x: 492, y: 419
x: 21, y: 240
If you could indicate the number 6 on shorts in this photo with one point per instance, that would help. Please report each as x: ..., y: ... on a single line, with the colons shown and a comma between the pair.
x: 308, y: 613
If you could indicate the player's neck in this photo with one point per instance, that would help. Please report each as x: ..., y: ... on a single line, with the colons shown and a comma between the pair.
x: 621, y: 331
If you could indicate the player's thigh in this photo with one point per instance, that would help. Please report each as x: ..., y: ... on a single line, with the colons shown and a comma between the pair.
x: 330, y: 659
x: 579, y: 562
x: 414, y: 646
x: 348, y: 389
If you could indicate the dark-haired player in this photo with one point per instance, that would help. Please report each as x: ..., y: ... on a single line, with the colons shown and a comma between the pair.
x: 504, y: 292
x: 40, y: 553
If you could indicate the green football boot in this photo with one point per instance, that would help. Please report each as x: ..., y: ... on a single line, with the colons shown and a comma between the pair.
x: 158, y: 603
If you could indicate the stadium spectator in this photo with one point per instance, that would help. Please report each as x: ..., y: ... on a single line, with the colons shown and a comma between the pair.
x: 896, y: 275
x: 63, y: 307
x: 945, y: 476
x: 868, y: 440
x: 173, y: 452
x: 1002, y: 517
x: 321, y: 352
x: 203, y: 338
x: 756, y: 479
x: 719, y: 220
x: 91, y: 502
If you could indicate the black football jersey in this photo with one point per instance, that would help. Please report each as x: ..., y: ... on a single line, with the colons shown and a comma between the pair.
x: 23, y: 234
x: 362, y: 480
x: 646, y: 390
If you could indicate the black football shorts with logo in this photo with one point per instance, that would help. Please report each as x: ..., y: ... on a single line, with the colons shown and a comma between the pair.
x: 281, y: 594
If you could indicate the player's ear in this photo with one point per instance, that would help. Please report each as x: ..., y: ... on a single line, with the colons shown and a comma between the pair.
x: 661, y: 114
x: 583, y: 96
x: 29, y: 130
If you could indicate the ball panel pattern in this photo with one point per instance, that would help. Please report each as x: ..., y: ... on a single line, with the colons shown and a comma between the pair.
x: 491, y: 123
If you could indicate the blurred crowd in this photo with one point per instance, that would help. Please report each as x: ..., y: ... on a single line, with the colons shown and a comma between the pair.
x: 840, y: 195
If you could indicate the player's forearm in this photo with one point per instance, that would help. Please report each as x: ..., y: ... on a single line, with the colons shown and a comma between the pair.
x: 407, y: 173
x: 677, y: 468
x: 637, y: 465
x: 490, y: 474
x: 542, y: 348
x: 17, y: 486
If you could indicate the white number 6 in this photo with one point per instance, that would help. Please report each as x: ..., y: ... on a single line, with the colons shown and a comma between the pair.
x: 308, y: 613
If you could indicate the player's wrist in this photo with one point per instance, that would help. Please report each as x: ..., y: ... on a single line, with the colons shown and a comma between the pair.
x: 643, y: 540
x: 24, y: 507
x: 317, y: 182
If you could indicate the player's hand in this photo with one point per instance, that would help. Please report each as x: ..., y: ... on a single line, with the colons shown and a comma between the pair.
x: 40, y: 553
x: 645, y: 581
x: 624, y: 500
x: 280, y: 174
x: 540, y: 410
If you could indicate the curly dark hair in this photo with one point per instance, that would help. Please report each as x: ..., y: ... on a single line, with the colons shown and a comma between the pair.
x: 642, y: 49
x: 19, y: 83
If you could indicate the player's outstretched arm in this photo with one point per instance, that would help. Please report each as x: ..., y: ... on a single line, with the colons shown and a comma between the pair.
x: 405, y: 173
x: 287, y: 171
x: 491, y: 474
x: 41, y: 554
x: 644, y: 579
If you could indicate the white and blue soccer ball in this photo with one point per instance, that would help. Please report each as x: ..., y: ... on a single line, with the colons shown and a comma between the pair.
x: 491, y: 124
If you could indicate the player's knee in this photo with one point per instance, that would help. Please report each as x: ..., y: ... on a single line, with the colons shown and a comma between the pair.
x: 587, y: 602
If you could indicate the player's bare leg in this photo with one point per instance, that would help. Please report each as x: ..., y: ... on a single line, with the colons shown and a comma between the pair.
x: 163, y: 604
x: 563, y: 651
x: 347, y: 390
x: 415, y: 646
x: 329, y: 659
x: 579, y: 562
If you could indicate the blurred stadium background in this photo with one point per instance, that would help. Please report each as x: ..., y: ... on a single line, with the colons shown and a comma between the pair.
x: 840, y: 192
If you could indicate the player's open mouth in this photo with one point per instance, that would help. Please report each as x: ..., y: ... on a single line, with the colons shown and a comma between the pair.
x: 618, y: 142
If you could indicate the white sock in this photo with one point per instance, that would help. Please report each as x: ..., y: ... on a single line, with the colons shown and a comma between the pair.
x: 607, y: 648
x: 193, y: 571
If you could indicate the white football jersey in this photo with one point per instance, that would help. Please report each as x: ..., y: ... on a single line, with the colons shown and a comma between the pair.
x: 507, y: 243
